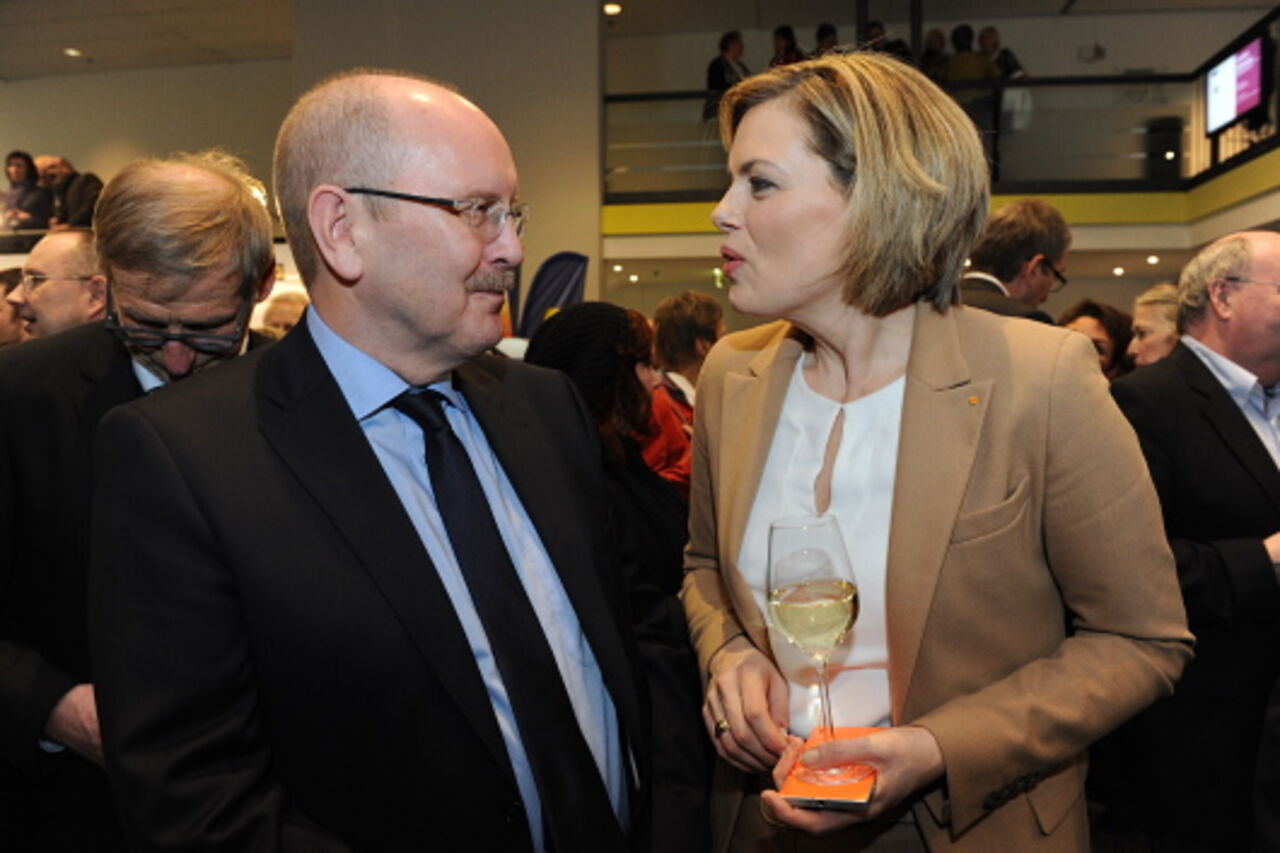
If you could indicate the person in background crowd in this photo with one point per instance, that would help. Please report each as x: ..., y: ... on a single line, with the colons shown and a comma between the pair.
x: 370, y: 590
x: 1009, y: 615
x: 1107, y: 328
x: 724, y: 71
x: 665, y: 443
x: 284, y: 311
x: 1003, y: 58
x: 968, y: 65
x: 605, y: 350
x: 876, y: 37
x: 785, y: 49
x: 74, y: 193
x: 686, y: 326
x: 1206, y: 417
x: 1155, y: 324
x: 12, y: 329
x: 1018, y: 260
x: 27, y: 205
x: 187, y: 249
x: 825, y: 40
x: 62, y: 285
x: 933, y: 61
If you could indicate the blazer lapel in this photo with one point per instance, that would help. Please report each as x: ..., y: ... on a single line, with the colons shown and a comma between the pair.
x: 1230, y: 423
x: 751, y: 407
x: 942, y: 415
x: 303, y: 415
x: 543, y: 490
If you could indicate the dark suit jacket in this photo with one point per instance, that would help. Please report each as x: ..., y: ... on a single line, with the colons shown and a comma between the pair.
x: 979, y: 293
x: 278, y: 664
x: 1220, y: 494
x: 53, y: 392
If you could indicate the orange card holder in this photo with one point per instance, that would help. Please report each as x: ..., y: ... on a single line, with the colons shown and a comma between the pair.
x: 846, y: 796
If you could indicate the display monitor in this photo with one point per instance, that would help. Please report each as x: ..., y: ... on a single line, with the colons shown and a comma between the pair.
x: 1235, y: 86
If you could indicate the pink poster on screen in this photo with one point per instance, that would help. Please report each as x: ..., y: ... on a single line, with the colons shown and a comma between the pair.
x: 1249, y: 76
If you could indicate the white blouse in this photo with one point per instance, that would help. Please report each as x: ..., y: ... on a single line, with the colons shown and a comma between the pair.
x: 861, y: 499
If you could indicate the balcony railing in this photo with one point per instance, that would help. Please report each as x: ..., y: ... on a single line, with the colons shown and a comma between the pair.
x: 1133, y: 132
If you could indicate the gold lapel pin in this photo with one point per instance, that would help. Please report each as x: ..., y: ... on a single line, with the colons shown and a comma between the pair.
x: 973, y: 401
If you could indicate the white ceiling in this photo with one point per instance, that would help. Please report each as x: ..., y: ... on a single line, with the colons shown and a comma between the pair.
x: 118, y: 34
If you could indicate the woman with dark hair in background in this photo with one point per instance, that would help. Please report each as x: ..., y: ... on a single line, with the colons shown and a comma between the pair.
x: 1107, y: 328
x: 785, y: 49
x: 26, y: 205
x: 607, y: 351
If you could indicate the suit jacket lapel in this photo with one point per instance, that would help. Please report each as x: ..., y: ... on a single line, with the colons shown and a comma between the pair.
x: 943, y: 410
x: 1230, y: 423
x: 107, y: 371
x: 303, y: 415
x: 543, y: 491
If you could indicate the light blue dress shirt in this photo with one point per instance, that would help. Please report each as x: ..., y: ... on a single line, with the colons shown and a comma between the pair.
x: 1260, y: 406
x: 397, y: 441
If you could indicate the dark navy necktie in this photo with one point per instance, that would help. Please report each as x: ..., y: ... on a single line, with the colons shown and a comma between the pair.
x: 577, y: 813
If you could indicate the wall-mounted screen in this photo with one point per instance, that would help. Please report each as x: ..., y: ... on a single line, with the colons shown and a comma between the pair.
x: 1234, y: 86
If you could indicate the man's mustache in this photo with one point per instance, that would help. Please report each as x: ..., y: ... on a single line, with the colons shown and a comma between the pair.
x: 494, y: 282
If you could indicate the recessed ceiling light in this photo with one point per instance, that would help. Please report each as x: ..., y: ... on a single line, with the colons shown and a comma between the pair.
x: 73, y: 52
x: 613, y: 9
x: 1169, y: 155
x: 633, y: 278
x: 617, y: 267
x: 1118, y: 271
x: 1153, y: 259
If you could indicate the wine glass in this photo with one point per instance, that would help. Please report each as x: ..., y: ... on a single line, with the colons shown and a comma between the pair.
x: 813, y: 602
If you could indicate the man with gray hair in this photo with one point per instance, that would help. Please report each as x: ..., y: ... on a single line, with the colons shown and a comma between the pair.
x: 367, y: 582
x: 1017, y: 261
x: 1208, y: 417
x: 186, y: 249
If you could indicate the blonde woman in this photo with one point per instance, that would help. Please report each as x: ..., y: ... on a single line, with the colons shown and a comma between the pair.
x: 1018, y: 599
x: 1155, y: 324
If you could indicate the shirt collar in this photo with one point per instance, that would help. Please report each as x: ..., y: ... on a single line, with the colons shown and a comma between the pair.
x: 1242, y: 385
x: 150, y: 380
x: 367, y: 384
x: 982, y: 276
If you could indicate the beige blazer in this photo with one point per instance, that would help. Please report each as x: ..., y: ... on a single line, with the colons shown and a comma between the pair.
x: 1032, y: 602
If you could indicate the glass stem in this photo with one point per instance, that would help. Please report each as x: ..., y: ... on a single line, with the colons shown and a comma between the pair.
x: 825, y: 724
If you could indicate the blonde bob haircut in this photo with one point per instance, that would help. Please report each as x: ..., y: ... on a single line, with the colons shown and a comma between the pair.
x: 906, y: 156
x: 151, y: 220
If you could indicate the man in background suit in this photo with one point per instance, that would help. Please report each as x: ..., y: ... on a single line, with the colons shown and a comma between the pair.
x: 1206, y: 417
x: 316, y: 568
x: 1017, y: 261
x: 75, y: 194
x: 187, y: 249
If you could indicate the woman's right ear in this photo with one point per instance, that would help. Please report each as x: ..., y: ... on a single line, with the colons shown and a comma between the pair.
x: 332, y: 215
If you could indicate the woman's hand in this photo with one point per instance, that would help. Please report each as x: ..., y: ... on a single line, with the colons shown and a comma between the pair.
x: 747, y: 692
x: 906, y: 759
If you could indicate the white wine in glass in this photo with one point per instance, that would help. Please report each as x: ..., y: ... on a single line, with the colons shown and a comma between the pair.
x: 813, y: 602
